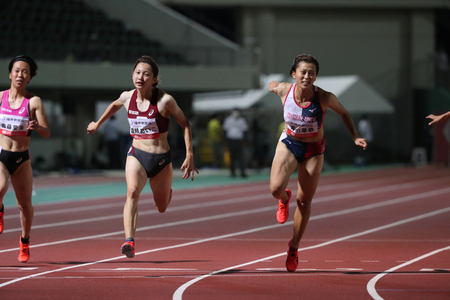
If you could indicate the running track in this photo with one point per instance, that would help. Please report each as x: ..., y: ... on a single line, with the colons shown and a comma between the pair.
x: 380, y: 234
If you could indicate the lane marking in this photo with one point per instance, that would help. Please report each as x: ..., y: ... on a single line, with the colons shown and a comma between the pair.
x: 257, y: 187
x: 212, y: 239
x: 179, y: 292
x: 371, y: 284
x: 247, y: 198
x: 435, y: 270
x: 383, y: 189
x: 143, y: 269
x: 19, y: 268
x: 312, y: 270
x: 264, y: 209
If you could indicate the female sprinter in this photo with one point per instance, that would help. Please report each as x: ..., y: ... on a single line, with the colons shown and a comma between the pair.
x: 302, y: 144
x: 20, y: 112
x: 149, y: 110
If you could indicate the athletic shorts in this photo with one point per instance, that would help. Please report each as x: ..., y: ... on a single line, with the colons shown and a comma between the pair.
x: 152, y: 163
x: 302, y: 150
x: 13, y: 160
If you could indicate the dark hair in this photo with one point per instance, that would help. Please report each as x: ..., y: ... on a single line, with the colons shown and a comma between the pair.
x: 304, y: 58
x: 153, y: 65
x: 28, y: 60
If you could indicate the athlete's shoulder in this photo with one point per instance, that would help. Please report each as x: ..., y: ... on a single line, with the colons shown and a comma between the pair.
x: 126, y: 96
x: 128, y: 93
x: 327, y: 98
x: 323, y: 94
x: 164, y: 97
x: 33, y: 97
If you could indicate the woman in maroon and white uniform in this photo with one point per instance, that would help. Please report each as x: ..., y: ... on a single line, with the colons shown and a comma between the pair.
x: 149, y: 110
x: 20, y: 112
x: 302, y: 144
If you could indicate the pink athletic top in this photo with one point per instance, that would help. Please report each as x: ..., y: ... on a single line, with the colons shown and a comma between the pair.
x: 14, y: 122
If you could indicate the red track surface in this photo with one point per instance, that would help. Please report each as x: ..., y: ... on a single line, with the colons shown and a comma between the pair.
x: 371, y: 236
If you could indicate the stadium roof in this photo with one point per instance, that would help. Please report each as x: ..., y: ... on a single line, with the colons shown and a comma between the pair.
x: 353, y: 92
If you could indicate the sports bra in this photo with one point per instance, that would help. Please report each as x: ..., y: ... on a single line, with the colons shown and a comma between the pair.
x: 14, y: 122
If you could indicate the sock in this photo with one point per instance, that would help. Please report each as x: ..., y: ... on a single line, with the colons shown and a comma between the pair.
x: 25, y: 241
x: 129, y: 240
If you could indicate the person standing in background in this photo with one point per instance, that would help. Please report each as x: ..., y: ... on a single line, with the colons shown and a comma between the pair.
x: 112, y: 137
x: 365, y: 130
x: 235, y: 128
x: 215, y: 136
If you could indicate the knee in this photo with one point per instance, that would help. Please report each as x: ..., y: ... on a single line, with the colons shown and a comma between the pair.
x: 26, y: 207
x: 304, y: 203
x: 277, y: 191
x: 132, y: 193
x: 3, y: 189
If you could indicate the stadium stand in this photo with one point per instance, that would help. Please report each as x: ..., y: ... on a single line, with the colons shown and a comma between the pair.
x: 68, y: 30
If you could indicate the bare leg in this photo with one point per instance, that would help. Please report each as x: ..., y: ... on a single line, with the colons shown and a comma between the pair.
x: 22, y: 181
x: 308, y: 179
x: 283, y: 165
x: 4, y: 177
x: 136, y: 178
x: 161, y: 185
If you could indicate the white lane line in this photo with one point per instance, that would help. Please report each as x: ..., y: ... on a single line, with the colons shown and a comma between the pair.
x: 249, y: 198
x: 383, y: 189
x: 434, y: 270
x: 147, y: 212
x: 142, y: 201
x: 194, y: 243
x: 143, y: 269
x: 264, y: 209
x: 179, y: 292
x: 257, y: 187
x: 143, y: 252
x: 371, y: 284
x: 19, y: 268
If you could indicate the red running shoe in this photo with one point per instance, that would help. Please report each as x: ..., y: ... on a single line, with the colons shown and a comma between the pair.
x: 283, y: 209
x: 292, y: 259
x: 24, y: 252
x: 1, y: 219
x: 128, y: 249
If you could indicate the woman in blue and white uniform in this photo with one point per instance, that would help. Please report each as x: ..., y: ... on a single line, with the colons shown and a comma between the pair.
x: 302, y: 144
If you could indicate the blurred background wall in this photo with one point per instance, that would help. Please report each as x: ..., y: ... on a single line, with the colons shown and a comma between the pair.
x: 86, y: 50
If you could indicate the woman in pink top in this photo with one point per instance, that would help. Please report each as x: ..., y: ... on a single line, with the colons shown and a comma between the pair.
x: 20, y: 112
